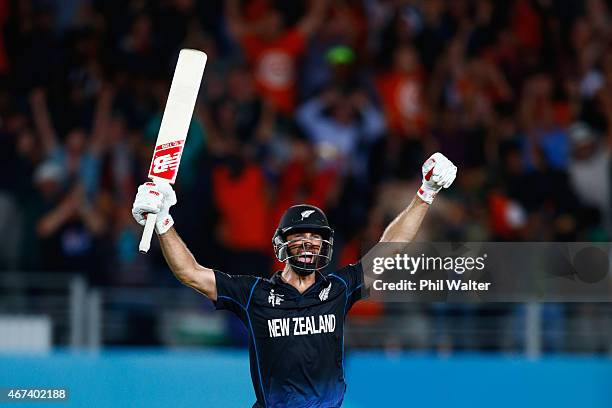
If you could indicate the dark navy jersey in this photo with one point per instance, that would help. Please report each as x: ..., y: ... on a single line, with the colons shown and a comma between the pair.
x: 296, y: 345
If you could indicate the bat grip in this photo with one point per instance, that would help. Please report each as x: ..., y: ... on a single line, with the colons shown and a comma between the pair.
x: 147, y: 233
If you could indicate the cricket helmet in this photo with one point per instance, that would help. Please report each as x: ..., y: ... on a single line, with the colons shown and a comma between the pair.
x: 303, y: 218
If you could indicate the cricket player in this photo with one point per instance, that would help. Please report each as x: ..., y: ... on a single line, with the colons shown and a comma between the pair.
x: 295, y: 319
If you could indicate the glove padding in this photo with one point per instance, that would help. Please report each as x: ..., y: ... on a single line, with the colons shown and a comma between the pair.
x: 438, y: 173
x: 154, y: 198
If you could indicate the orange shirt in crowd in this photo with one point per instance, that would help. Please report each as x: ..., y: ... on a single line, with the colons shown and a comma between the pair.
x: 241, y: 202
x: 298, y: 185
x: 501, y: 219
x: 526, y: 25
x: 254, y: 10
x: 274, y: 67
x: 402, y: 98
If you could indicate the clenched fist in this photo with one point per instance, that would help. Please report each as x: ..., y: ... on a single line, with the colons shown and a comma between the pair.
x: 154, y: 198
x: 438, y: 173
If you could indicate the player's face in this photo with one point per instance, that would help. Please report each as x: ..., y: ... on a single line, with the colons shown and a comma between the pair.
x: 306, y: 244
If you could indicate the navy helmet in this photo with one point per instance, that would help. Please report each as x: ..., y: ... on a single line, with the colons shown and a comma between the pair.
x: 304, y: 218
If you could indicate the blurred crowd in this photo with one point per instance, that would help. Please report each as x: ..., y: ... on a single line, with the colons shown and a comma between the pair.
x: 332, y: 102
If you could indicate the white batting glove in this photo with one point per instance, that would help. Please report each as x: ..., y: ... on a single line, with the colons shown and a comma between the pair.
x: 438, y: 173
x: 155, y: 198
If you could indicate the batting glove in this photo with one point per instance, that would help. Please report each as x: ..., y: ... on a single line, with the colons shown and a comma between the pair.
x: 155, y: 198
x: 438, y: 173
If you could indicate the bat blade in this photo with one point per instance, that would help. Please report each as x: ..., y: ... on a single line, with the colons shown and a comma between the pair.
x: 174, y: 126
x: 177, y: 115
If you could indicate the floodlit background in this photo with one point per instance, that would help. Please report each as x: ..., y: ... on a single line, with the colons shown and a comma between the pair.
x: 335, y: 103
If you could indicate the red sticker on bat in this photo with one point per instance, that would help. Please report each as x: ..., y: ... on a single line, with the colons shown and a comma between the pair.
x: 166, y: 160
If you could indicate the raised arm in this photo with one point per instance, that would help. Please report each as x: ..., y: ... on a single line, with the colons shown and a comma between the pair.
x: 42, y: 119
x: 235, y: 23
x: 101, y: 121
x: 185, y: 267
x: 373, y: 122
x: 157, y: 198
x: 54, y: 219
x: 406, y: 225
x: 314, y: 17
x: 438, y: 172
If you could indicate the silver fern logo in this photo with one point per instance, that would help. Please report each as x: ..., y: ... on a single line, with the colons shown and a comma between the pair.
x: 306, y: 214
x: 325, y: 293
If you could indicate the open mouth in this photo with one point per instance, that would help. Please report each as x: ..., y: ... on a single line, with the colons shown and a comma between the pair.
x: 306, y: 257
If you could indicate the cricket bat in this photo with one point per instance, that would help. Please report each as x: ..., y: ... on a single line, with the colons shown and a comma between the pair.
x: 174, y: 127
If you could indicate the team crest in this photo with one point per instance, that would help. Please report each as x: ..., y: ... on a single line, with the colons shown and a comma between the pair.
x: 306, y: 214
x: 325, y: 293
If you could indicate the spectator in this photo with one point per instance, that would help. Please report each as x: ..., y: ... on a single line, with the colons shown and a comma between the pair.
x: 338, y: 125
x: 402, y: 92
x: 273, y: 50
x: 239, y: 190
x: 68, y: 225
x: 542, y: 129
x: 589, y: 169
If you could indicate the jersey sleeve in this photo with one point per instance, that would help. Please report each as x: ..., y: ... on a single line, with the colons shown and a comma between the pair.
x: 234, y: 291
x: 353, y: 277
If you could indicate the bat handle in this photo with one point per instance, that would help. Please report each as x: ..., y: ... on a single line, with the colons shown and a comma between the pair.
x: 147, y: 233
